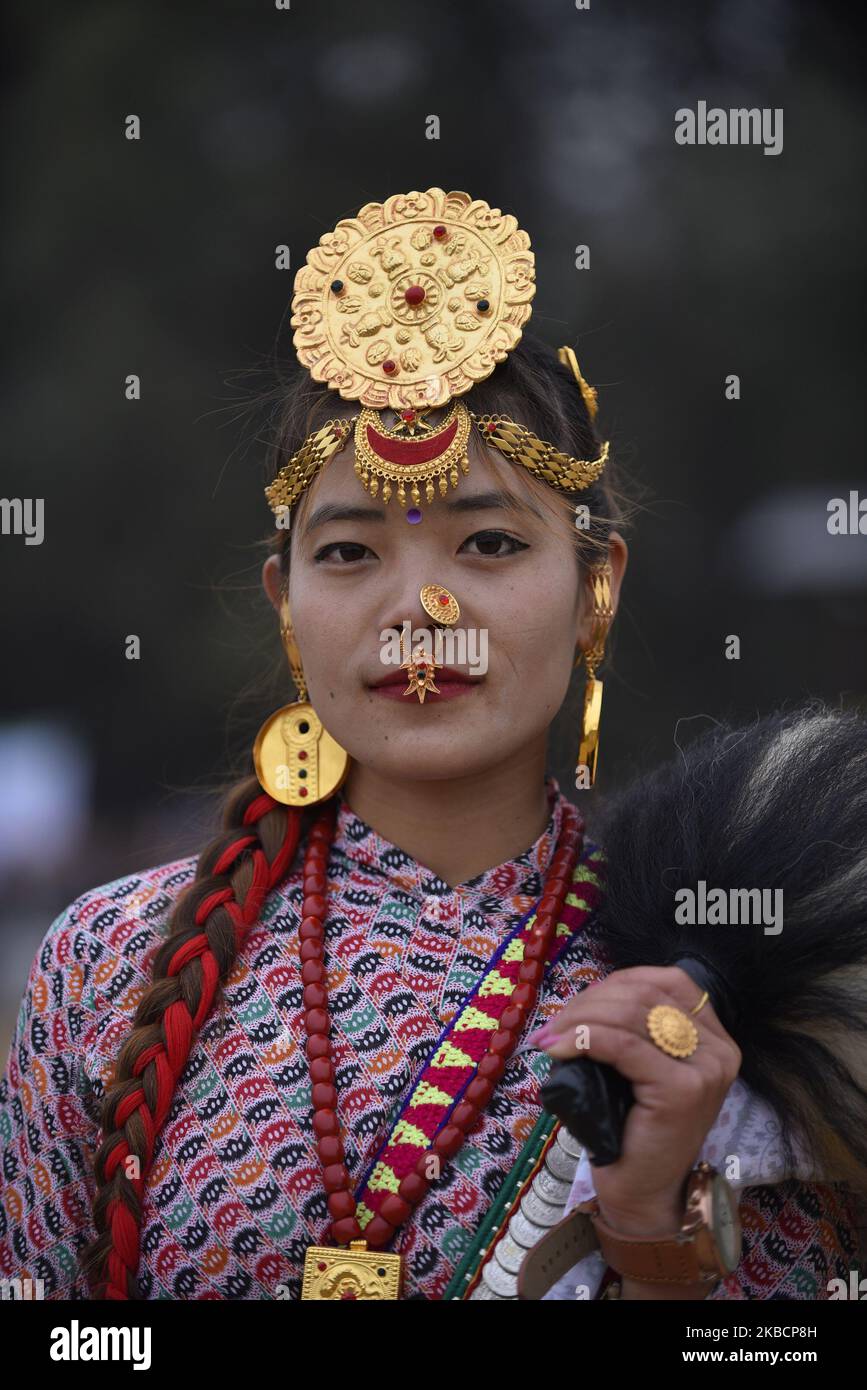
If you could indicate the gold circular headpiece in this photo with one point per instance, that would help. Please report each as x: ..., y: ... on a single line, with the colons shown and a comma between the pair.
x: 414, y: 300
x: 404, y: 308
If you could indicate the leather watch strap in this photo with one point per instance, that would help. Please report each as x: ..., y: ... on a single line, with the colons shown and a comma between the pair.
x: 653, y: 1259
x: 555, y: 1254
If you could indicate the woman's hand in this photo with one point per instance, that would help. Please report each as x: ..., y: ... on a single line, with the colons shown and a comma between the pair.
x: 676, y: 1100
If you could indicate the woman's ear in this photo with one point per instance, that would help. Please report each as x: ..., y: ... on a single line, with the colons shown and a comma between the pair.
x: 618, y: 556
x: 272, y: 580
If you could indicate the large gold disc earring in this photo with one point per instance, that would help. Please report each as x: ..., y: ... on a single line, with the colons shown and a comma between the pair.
x: 297, y: 761
x: 591, y: 718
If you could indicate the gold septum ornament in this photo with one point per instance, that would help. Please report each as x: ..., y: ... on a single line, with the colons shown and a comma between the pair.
x: 404, y: 308
x: 421, y: 666
x: 420, y: 670
x: 297, y: 761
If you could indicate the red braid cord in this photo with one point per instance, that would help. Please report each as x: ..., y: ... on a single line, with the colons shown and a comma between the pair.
x: 179, y: 1028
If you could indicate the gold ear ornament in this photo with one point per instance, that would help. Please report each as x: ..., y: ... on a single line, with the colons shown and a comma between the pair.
x: 297, y: 761
x: 593, y: 655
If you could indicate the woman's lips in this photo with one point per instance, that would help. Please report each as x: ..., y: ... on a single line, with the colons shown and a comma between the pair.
x: 445, y: 690
x: 450, y: 684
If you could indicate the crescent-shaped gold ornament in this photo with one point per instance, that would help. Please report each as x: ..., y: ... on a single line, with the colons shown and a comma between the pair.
x: 413, y: 301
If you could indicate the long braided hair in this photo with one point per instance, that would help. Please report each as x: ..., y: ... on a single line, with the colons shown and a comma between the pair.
x: 208, y: 928
x: 214, y: 914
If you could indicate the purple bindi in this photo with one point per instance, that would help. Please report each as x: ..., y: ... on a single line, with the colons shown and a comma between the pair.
x: 413, y: 516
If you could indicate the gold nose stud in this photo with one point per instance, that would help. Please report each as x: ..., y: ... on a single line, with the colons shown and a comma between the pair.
x: 439, y: 604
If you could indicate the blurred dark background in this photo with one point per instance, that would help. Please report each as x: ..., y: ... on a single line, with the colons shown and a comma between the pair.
x: 262, y: 127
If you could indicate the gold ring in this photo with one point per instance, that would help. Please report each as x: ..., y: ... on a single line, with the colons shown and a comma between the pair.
x: 701, y: 1003
x: 671, y: 1030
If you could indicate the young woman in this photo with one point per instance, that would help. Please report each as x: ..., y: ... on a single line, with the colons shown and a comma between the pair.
x: 307, y: 1064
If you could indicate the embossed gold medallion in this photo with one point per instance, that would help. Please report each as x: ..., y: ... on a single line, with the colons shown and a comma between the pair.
x: 350, y: 1272
x: 672, y: 1031
x: 414, y: 300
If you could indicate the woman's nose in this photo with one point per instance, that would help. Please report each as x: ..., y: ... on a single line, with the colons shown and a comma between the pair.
x: 424, y: 603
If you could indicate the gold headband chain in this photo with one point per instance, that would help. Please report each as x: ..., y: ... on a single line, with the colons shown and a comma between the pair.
x: 407, y: 306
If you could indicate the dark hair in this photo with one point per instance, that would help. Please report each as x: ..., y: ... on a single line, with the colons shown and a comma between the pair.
x: 260, y: 839
x: 781, y: 804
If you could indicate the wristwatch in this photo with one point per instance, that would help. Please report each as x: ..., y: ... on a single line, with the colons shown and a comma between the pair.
x: 707, y: 1246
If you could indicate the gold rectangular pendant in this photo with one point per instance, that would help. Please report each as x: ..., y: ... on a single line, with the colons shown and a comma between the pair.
x: 350, y: 1272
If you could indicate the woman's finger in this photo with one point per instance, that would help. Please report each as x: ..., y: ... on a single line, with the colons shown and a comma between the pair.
x: 644, y: 987
x: 675, y: 984
x: 628, y: 1015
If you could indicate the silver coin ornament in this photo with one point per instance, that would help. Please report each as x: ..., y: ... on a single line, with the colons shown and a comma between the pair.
x: 539, y: 1212
x: 525, y: 1231
x: 509, y: 1253
x: 504, y: 1284
x: 560, y: 1164
x: 551, y: 1189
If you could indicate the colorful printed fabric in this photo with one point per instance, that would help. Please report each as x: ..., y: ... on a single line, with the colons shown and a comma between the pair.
x: 463, y: 1043
x: 234, y: 1197
x: 797, y: 1237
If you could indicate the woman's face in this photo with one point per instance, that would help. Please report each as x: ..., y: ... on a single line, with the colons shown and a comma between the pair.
x: 356, y: 569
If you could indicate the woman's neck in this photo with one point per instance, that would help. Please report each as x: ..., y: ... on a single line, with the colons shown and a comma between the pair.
x: 457, y: 827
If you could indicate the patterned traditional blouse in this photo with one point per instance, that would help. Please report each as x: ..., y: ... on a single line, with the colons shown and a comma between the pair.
x: 234, y: 1196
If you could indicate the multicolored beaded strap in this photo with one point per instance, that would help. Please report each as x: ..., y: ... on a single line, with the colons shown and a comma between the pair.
x: 459, y: 1057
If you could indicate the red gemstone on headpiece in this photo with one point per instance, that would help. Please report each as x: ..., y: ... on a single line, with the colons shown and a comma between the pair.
x: 443, y: 598
x: 302, y: 756
x: 440, y: 233
x: 490, y: 427
x: 414, y: 295
x: 408, y: 416
x: 302, y: 791
x: 389, y: 366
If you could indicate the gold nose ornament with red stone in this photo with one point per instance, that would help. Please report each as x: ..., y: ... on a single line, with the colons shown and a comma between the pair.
x: 443, y: 607
x: 439, y: 604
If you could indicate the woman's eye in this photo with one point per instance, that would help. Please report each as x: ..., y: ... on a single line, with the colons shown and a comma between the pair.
x: 489, y: 543
x: 352, y: 546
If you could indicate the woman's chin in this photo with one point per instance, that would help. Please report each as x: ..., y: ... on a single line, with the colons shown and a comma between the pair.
x: 424, y: 755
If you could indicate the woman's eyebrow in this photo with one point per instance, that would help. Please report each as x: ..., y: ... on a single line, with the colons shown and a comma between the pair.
x: 475, y: 502
x: 487, y: 501
x: 341, y: 511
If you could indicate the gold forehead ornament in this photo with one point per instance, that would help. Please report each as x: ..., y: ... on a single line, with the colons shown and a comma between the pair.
x: 405, y: 308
